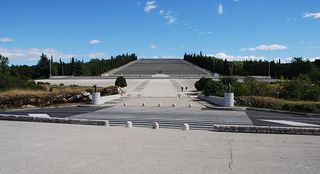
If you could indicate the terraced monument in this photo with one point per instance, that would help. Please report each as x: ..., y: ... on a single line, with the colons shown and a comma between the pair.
x: 171, y: 68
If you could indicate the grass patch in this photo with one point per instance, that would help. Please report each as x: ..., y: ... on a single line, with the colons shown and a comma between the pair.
x: 279, y: 104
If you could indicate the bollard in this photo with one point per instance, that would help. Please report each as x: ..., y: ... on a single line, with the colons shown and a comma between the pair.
x: 96, y: 98
x: 173, y: 105
x: 155, y: 125
x: 129, y: 124
x: 186, y: 127
x: 125, y: 104
x: 190, y: 105
x: 159, y: 105
x: 144, y: 104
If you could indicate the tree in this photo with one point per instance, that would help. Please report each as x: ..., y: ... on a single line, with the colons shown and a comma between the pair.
x: 301, y: 88
x: 121, y: 82
x: 214, y: 88
x: 4, y: 61
x: 199, y: 85
x: 42, y: 68
x: 228, y: 80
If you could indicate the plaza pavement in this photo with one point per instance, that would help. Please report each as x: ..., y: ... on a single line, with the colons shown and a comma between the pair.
x: 55, y: 148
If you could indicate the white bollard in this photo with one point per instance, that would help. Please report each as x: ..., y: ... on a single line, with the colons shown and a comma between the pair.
x: 125, y: 104
x: 185, y: 127
x: 229, y: 99
x: 159, y: 105
x: 173, y: 105
x: 144, y: 104
x: 96, y: 98
x: 155, y: 125
x: 190, y: 105
x: 129, y: 124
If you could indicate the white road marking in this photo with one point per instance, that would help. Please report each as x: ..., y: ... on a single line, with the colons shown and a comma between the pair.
x: 39, y: 115
x: 291, y: 123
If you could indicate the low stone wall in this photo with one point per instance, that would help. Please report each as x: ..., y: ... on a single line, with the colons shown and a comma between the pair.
x: 266, y: 129
x: 108, y: 98
x: 212, y: 99
x: 226, y: 101
x: 53, y: 120
x: 98, y: 100
x: 41, y: 101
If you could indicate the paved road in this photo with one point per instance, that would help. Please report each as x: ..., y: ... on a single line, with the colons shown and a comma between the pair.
x: 60, y: 112
x: 55, y: 148
x: 262, y: 118
x: 168, y: 117
x: 196, y: 117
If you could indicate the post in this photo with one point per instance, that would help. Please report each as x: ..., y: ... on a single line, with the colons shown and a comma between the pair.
x: 229, y: 97
x: 95, y: 96
x: 50, y: 67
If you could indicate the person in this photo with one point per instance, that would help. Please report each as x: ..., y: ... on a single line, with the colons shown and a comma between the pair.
x: 186, y: 88
x: 182, y: 88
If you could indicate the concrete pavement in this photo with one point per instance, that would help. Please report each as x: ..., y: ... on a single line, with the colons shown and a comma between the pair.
x: 53, y: 148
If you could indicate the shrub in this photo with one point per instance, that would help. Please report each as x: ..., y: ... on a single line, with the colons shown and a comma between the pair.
x: 239, y: 89
x: 301, y: 88
x: 214, y: 88
x: 228, y: 80
x: 111, y: 90
x: 279, y: 104
x: 121, y: 82
x: 10, y: 82
x: 200, y: 83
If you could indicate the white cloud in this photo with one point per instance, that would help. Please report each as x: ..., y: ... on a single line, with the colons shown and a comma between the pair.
x: 170, y: 18
x: 312, y: 15
x: 153, y: 46
x: 220, y: 9
x: 150, y: 5
x: 161, y: 12
x: 205, y: 33
x: 96, y: 55
x: 33, y: 54
x: 266, y: 48
x: 94, y: 41
x: 223, y: 55
x: 6, y: 39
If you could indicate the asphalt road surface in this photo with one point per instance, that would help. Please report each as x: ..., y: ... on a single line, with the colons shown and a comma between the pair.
x: 261, y: 118
x: 200, y: 118
x: 60, y: 112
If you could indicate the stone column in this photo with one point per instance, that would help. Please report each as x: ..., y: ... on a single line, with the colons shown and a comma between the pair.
x: 229, y: 99
x: 96, y: 98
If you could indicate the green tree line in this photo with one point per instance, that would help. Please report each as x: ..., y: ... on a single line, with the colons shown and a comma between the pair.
x: 21, y: 76
x: 257, y: 67
x: 74, y: 67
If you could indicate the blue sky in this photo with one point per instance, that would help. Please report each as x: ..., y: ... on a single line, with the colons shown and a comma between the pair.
x: 232, y: 29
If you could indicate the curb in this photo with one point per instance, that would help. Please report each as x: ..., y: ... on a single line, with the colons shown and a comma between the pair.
x: 283, y: 112
x: 54, y: 120
x: 266, y: 130
x: 227, y: 108
x: 210, y: 106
